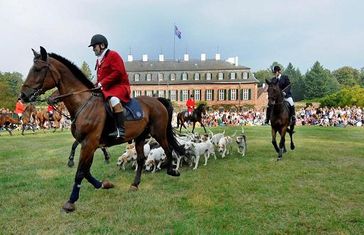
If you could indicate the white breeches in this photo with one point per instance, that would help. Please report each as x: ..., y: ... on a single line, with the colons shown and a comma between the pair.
x: 289, y: 100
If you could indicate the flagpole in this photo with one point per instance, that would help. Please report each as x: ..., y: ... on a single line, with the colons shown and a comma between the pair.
x: 174, y: 42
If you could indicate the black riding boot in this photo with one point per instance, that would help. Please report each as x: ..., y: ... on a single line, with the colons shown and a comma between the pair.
x: 120, y: 129
x: 267, y: 114
x: 292, y: 114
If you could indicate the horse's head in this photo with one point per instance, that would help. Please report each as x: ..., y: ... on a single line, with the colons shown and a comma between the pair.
x: 202, y: 108
x: 41, y: 77
x: 275, y: 95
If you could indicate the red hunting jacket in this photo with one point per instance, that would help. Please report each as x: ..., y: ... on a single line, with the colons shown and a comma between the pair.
x: 190, y: 105
x: 113, y: 77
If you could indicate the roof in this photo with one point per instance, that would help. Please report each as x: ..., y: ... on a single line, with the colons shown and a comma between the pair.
x: 171, y: 65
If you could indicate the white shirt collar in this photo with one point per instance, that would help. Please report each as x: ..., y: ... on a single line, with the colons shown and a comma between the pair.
x: 279, y: 76
x: 101, y: 57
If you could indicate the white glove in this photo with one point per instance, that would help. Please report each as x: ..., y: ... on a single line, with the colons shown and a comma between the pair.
x: 99, y: 86
x: 284, y: 93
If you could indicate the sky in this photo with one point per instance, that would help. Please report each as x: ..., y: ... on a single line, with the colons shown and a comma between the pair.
x: 258, y: 32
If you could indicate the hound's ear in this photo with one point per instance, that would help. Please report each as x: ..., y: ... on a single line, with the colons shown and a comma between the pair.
x: 267, y: 81
x: 43, y: 53
x: 36, y: 54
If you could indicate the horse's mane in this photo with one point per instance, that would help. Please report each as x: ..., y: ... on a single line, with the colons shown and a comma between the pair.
x: 200, y: 106
x: 74, y: 69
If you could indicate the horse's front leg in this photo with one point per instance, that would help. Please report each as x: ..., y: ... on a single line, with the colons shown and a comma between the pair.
x: 203, y: 127
x: 139, y: 147
x: 83, y: 171
x: 282, y: 147
x: 274, y: 141
x: 193, y: 126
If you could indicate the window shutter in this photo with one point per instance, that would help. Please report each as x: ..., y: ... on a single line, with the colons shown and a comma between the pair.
x: 229, y: 94
x: 250, y: 94
x: 213, y: 93
x: 241, y: 94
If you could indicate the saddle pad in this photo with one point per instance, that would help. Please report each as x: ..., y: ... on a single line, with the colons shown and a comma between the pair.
x: 133, y: 110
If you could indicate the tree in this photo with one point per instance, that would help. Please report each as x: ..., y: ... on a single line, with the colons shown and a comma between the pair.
x: 87, y: 71
x: 261, y: 75
x: 10, y: 84
x: 347, y: 76
x: 297, y: 82
x: 319, y: 82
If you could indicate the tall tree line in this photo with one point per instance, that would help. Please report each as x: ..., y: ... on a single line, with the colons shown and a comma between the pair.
x: 317, y: 82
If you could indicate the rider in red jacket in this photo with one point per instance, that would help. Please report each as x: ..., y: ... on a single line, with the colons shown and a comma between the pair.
x: 112, y: 79
x: 190, y: 105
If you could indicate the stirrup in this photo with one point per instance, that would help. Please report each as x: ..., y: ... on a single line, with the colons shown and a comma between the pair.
x: 118, y: 133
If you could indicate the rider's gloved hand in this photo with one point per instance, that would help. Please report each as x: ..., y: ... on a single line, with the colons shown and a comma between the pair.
x: 99, y: 86
x: 284, y: 93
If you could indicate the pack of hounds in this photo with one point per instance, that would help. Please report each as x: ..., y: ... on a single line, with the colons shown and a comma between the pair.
x: 195, y: 146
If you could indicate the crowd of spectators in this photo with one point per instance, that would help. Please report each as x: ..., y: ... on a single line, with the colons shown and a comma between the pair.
x: 322, y: 116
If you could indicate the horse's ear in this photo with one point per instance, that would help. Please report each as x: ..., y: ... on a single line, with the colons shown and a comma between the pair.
x: 43, y: 53
x: 36, y: 54
x: 267, y: 81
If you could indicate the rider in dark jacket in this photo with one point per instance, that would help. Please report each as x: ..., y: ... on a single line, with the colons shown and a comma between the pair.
x: 285, y: 86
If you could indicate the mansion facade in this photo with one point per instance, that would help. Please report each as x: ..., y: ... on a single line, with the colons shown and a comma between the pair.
x: 214, y: 81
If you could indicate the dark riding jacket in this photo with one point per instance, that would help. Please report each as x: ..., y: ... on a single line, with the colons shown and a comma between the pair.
x: 283, y: 83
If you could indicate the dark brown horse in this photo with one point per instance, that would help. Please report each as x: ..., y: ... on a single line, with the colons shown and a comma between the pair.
x: 29, y: 118
x: 91, y: 123
x: 6, y: 122
x: 196, y: 116
x: 279, y: 118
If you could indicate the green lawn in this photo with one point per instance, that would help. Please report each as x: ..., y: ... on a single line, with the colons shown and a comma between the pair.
x: 317, y: 188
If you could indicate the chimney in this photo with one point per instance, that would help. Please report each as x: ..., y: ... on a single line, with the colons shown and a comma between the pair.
x: 130, y: 58
x: 186, y: 57
x: 236, y: 61
x: 217, y: 57
x: 161, y: 57
x: 145, y: 58
x: 203, y: 57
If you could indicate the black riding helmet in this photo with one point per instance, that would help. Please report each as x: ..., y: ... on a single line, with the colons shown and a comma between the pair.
x: 98, y: 39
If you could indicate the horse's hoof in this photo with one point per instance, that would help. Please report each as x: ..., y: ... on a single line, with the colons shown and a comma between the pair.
x: 107, y: 184
x: 69, y: 207
x: 70, y: 164
x: 293, y: 147
x: 278, y: 159
x: 173, y: 172
x: 133, y: 188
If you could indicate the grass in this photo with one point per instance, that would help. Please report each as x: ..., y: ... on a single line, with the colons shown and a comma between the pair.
x: 318, y: 189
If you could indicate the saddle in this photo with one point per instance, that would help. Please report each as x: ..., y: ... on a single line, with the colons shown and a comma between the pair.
x: 132, y: 110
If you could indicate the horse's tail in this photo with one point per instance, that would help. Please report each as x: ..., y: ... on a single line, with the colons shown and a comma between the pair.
x: 173, y: 143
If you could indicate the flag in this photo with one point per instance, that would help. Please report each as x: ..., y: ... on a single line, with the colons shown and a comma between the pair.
x: 177, y: 32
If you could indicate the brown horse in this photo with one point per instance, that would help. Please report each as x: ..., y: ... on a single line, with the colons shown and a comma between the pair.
x: 29, y: 118
x: 54, y: 121
x: 6, y: 122
x: 279, y: 118
x: 196, y: 116
x: 91, y: 123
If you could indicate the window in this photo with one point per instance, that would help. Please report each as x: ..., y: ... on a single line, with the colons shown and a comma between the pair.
x: 232, y: 76
x: 209, y: 94
x: 173, y: 95
x: 197, y: 94
x: 221, y: 76
x: 233, y: 94
x: 208, y: 76
x: 184, y: 95
x: 197, y: 76
x: 245, y: 75
x: 184, y: 76
x: 160, y: 76
x: 245, y: 94
x: 149, y: 77
x: 221, y: 94
x: 161, y: 93
x: 137, y: 93
x: 149, y: 93
x: 136, y: 77
x: 173, y: 76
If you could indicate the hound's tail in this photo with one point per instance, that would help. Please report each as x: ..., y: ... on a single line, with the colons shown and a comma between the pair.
x: 173, y: 143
